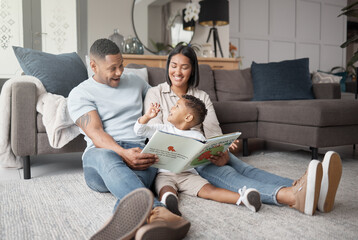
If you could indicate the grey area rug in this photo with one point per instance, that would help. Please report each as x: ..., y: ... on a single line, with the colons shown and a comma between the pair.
x: 63, y: 207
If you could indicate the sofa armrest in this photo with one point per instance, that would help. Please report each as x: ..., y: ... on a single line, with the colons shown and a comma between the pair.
x: 23, y: 118
x: 327, y: 90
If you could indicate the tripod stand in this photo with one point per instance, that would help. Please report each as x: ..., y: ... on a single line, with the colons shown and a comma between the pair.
x: 214, y: 30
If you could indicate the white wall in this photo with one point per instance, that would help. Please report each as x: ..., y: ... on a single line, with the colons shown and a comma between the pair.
x: 263, y: 30
x: 106, y: 15
x: 275, y: 30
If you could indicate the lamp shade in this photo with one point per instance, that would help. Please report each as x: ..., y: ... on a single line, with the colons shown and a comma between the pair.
x: 214, y: 12
x: 188, y: 26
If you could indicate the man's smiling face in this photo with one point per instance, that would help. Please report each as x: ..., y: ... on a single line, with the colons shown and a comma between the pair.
x: 108, y: 70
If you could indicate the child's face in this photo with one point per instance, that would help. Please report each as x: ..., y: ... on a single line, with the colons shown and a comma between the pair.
x: 178, y: 113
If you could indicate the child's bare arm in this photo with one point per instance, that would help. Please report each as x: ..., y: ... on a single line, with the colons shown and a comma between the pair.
x: 151, y: 113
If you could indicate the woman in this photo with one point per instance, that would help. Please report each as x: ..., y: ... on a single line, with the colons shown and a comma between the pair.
x: 226, y: 170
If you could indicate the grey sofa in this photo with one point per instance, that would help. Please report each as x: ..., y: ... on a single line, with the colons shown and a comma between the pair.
x: 322, y: 122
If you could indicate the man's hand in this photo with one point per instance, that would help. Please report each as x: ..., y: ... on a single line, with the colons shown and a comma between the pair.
x: 220, y: 159
x: 137, y: 160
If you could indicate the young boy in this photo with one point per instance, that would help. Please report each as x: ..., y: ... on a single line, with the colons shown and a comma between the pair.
x: 188, y: 112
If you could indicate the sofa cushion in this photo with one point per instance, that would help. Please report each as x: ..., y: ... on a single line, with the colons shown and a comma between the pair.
x: 326, y: 90
x: 140, y: 72
x: 58, y: 73
x: 156, y: 75
x: 39, y: 123
x: 315, y: 113
x: 207, y: 83
x: 236, y: 111
x: 286, y: 80
x: 233, y: 85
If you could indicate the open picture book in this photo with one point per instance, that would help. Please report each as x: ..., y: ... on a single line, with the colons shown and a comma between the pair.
x: 178, y: 153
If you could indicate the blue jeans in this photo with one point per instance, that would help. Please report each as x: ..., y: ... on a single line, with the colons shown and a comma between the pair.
x: 105, y: 171
x: 237, y: 174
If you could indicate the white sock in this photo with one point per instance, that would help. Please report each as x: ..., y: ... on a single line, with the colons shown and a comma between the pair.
x: 165, y: 195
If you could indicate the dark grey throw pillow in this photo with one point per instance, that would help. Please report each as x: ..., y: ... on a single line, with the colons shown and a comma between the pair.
x: 286, y: 80
x: 234, y: 85
x: 58, y: 73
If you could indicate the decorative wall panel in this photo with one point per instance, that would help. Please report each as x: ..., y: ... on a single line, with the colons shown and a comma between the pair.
x: 254, y: 16
x: 11, y: 34
x: 234, y: 9
x: 332, y: 26
x: 308, y: 21
x: 331, y: 56
x: 254, y: 50
x: 59, y: 29
x: 312, y: 51
x: 275, y: 30
x: 282, y: 18
x: 280, y: 51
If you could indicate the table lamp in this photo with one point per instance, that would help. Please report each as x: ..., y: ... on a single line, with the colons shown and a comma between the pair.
x: 214, y: 13
x: 188, y: 26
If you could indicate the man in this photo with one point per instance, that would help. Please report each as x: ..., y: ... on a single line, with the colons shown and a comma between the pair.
x: 106, y: 107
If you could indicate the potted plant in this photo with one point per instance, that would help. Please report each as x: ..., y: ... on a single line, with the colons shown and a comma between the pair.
x: 351, y: 11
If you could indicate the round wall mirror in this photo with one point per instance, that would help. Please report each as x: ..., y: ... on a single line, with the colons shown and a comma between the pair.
x: 158, y: 24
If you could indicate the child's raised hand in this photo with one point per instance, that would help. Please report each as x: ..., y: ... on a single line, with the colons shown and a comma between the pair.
x: 153, y: 110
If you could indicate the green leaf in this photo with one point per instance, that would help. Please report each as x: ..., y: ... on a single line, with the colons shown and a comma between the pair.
x: 353, y: 60
x: 349, y: 6
x: 350, y: 13
x: 349, y: 41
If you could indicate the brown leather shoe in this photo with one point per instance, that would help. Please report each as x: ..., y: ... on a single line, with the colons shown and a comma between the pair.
x: 162, y: 225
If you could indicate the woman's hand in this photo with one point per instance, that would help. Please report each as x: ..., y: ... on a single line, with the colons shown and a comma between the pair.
x: 221, y: 159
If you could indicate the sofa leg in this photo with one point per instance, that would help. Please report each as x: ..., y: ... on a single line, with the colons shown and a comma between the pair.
x: 245, y: 147
x: 314, y: 152
x: 27, y: 170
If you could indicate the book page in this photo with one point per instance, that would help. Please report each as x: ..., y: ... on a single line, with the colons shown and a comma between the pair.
x: 212, y: 146
x: 174, y: 151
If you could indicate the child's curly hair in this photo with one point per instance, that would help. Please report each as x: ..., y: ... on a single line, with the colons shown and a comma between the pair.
x: 197, y: 106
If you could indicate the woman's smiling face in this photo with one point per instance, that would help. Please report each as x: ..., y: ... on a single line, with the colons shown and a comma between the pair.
x: 180, y: 70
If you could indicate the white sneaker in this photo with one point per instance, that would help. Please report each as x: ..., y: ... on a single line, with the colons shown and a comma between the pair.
x: 332, y: 172
x: 250, y: 198
x: 306, y: 189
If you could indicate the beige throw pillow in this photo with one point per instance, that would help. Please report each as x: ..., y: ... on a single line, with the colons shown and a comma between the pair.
x: 320, y: 77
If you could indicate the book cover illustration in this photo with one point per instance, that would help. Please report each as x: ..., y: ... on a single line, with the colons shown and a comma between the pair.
x: 179, y: 153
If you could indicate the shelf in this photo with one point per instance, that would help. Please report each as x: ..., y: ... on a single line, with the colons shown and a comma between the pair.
x: 160, y: 61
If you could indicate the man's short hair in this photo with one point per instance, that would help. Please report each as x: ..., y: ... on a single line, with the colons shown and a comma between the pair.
x: 197, y: 106
x: 103, y: 47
